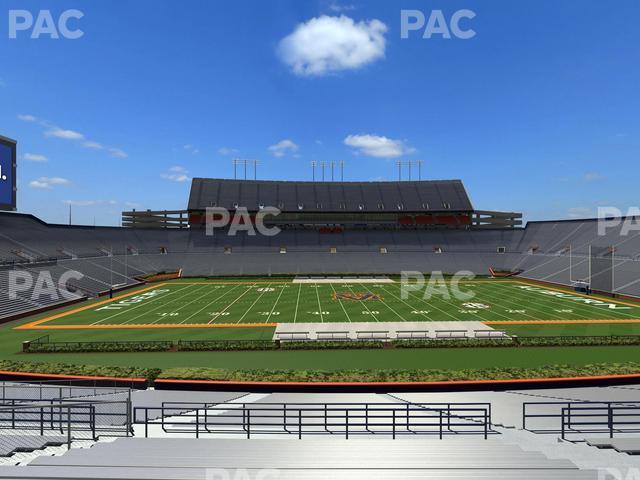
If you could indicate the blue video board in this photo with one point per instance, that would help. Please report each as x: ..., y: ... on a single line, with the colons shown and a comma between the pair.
x: 7, y: 174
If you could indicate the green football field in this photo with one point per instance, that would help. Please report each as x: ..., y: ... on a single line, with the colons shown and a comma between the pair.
x: 189, y: 309
x: 202, y: 304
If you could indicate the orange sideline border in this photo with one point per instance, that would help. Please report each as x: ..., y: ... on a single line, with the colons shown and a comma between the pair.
x: 60, y: 376
x: 535, y: 382
x: 439, y: 383
x: 454, y: 385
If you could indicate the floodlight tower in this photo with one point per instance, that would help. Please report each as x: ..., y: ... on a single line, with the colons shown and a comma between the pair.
x: 236, y: 162
x: 313, y: 169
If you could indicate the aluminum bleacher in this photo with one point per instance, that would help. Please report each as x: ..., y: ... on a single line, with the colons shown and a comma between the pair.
x: 108, y: 255
x: 353, y: 459
x: 169, y: 448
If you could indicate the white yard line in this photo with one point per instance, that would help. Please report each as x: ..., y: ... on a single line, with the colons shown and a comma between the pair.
x: 256, y: 301
x: 210, y: 303
x: 386, y: 305
x: 148, y: 312
x: 340, y: 302
x: 319, y: 306
x: 180, y: 308
x: 127, y: 309
x: 529, y: 305
x: 407, y: 304
x: 365, y: 306
x: 295, y: 315
x: 581, y: 306
x: 419, y: 297
x: 275, y: 304
x: 479, y: 317
x: 247, y: 290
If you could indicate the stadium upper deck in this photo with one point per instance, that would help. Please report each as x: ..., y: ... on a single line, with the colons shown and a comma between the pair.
x: 424, y: 204
x: 366, y: 197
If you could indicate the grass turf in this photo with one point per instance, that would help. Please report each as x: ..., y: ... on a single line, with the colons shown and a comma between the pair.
x: 244, y: 302
x: 204, y: 304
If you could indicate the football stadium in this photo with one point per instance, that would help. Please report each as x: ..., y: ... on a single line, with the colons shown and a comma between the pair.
x: 319, y: 239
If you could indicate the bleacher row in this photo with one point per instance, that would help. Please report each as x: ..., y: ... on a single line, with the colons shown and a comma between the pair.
x: 109, y: 256
x: 173, y: 447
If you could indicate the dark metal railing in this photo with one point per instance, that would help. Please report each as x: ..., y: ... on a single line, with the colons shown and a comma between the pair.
x: 302, y: 419
x: 567, y: 418
x: 73, y: 417
x: 60, y: 389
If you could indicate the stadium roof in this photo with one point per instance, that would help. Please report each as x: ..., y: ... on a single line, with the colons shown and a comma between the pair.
x: 427, y: 195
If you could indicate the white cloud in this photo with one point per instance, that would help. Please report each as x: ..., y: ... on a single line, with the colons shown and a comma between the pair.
x: 64, y: 134
x: 51, y: 130
x: 327, y: 44
x: 377, y: 146
x: 177, y: 174
x: 89, y: 203
x: 176, y: 177
x: 117, y: 153
x: 580, y: 212
x: 48, y: 182
x: 336, y: 7
x: 592, y: 177
x: 192, y: 149
x: 227, y: 151
x: 113, y: 152
x: 283, y: 147
x: 93, y: 145
x: 27, y: 118
x: 34, y: 157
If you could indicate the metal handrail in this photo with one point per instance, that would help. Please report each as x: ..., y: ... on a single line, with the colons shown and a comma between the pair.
x: 313, y: 419
x: 68, y: 415
x: 585, y: 417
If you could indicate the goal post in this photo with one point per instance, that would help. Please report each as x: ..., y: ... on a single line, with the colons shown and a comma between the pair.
x: 602, y: 269
x: 579, y: 270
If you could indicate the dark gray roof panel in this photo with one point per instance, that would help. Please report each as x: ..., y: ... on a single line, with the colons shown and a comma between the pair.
x: 330, y: 196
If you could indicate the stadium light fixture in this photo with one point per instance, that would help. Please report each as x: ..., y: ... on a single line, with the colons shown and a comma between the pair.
x: 236, y: 162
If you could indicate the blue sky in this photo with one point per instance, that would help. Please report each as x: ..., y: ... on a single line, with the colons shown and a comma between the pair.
x: 538, y: 112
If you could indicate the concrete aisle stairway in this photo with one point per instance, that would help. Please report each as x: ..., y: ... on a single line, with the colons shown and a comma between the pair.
x: 587, y: 455
x: 312, y: 458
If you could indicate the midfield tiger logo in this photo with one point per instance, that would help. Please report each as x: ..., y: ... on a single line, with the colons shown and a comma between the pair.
x: 356, y: 296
